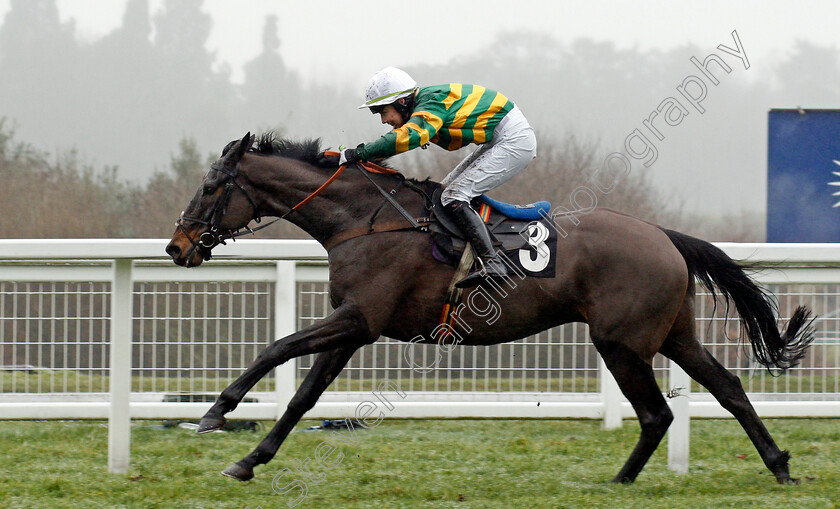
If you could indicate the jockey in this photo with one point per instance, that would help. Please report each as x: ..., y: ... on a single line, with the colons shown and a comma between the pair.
x: 453, y: 116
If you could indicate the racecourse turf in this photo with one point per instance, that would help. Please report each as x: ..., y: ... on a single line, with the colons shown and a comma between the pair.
x: 480, y: 463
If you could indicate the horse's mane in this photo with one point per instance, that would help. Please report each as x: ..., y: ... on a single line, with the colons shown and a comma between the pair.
x: 309, y: 150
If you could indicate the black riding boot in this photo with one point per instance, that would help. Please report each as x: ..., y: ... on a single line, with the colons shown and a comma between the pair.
x: 477, y: 235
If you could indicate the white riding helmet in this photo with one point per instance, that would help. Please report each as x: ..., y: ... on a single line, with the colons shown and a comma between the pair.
x: 387, y: 86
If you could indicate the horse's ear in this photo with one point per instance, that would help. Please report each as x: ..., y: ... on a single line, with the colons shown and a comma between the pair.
x: 245, y: 144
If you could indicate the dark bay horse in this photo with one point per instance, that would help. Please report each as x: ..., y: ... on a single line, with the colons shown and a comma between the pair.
x: 631, y: 281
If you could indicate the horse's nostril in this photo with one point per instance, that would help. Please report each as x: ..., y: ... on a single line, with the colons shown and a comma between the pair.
x: 173, y: 250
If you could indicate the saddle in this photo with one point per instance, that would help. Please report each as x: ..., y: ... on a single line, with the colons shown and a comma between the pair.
x: 523, y: 233
x: 517, y: 230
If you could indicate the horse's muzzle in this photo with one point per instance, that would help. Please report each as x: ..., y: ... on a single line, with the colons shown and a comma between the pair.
x: 186, y: 253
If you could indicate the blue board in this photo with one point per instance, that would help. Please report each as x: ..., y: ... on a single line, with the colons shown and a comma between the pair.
x: 803, y: 175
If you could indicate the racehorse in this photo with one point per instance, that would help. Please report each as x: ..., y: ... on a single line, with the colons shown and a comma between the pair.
x: 633, y: 283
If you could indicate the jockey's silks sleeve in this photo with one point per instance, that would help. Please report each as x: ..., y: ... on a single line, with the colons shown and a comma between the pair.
x: 451, y: 116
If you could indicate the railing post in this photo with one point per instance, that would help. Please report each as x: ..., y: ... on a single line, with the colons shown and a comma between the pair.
x: 119, y: 416
x: 680, y: 431
x: 285, y: 323
x: 611, y: 396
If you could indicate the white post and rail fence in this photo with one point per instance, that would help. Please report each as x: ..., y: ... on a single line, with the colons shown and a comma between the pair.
x: 110, y: 328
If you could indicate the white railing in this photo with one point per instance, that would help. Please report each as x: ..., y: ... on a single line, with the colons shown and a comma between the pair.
x: 111, y: 328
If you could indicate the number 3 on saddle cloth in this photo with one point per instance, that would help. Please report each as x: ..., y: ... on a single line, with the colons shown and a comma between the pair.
x: 523, y: 233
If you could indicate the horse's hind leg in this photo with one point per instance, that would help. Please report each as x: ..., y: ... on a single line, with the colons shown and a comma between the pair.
x: 726, y: 388
x: 346, y: 326
x: 636, y: 380
x: 326, y: 367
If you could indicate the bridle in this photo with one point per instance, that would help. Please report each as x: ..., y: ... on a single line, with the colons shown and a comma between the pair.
x: 214, y: 236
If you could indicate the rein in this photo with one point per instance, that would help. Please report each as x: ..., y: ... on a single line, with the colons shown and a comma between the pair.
x: 364, y: 168
x: 315, y: 193
x: 214, y: 236
x: 370, y: 167
x: 408, y: 223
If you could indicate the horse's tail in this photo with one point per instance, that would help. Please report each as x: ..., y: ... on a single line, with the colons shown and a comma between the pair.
x: 757, y: 309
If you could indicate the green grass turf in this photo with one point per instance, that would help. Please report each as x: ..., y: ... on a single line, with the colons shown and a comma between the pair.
x: 418, y: 463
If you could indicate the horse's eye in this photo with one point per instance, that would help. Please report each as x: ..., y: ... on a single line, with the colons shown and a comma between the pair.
x: 208, y: 189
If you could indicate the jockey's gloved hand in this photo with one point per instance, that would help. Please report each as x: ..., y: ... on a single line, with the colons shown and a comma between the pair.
x: 331, y: 159
x: 348, y: 156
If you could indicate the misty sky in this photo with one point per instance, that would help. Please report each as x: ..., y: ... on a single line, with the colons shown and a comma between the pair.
x: 327, y: 39
x: 715, y: 161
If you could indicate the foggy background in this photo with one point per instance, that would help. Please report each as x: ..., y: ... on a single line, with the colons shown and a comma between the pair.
x: 125, y: 116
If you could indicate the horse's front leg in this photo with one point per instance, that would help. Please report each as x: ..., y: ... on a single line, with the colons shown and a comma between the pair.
x: 326, y: 367
x: 346, y: 326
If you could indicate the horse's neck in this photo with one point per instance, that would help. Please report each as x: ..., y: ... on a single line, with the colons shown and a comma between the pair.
x: 348, y: 202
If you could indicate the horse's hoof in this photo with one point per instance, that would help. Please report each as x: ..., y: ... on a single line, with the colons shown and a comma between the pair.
x: 210, y: 423
x: 788, y: 480
x: 238, y: 472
